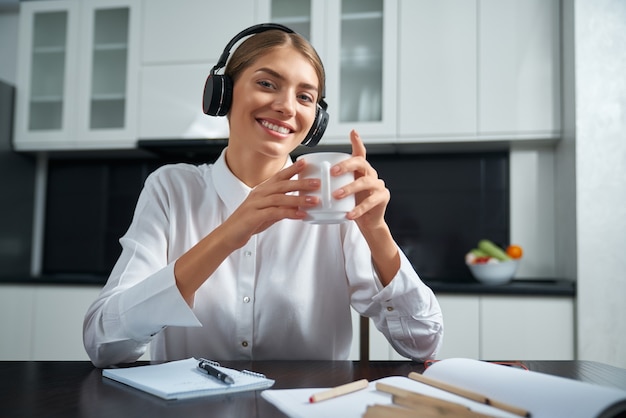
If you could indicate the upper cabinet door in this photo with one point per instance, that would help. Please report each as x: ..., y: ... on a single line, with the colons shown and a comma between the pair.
x: 357, y: 41
x: 109, y: 74
x: 182, y: 40
x: 479, y: 70
x: 77, y: 75
x: 437, y: 91
x: 361, y: 67
x: 519, y: 62
x: 45, y: 105
x: 191, y: 31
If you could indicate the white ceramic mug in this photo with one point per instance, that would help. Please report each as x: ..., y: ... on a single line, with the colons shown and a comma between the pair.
x: 329, y: 210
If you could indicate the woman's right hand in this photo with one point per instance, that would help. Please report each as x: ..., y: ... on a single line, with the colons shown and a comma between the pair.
x: 266, y: 204
x: 270, y: 202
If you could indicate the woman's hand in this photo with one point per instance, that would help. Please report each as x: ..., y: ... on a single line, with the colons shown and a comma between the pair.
x: 266, y: 204
x: 270, y: 202
x: 372, y: 197
x: 371, y: 194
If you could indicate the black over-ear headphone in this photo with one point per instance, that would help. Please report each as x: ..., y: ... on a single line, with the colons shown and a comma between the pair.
x: 218, y: 89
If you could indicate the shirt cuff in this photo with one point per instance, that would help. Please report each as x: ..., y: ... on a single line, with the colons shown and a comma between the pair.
x: 153, y: 304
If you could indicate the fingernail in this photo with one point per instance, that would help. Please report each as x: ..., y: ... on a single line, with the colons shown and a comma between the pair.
x: 310, y: 200
x: 335, y: 169
x: 314, y: 182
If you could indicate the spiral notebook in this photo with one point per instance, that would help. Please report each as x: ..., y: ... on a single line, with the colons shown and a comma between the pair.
x: 182, y: 379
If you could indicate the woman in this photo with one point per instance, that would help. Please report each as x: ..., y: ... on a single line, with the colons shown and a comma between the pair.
x: 218, y: 263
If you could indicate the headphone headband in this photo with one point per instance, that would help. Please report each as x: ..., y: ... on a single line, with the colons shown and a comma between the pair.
x: 218, y: 89
x: 252, y: 30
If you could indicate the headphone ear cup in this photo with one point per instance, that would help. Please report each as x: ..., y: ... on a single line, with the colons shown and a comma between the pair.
x: 218, y: 95
x: 318, y: 128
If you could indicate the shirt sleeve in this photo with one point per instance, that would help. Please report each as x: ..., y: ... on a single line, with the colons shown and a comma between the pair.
x: 406, y: 311
x: 140, y: 297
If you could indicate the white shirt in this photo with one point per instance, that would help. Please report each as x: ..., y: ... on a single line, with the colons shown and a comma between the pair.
x: 285, y: 295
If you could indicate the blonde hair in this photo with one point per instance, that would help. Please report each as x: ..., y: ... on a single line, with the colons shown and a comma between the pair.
x: 259, y: 44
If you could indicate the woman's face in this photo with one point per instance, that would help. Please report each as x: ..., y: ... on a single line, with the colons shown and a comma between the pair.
x: 274, y: 103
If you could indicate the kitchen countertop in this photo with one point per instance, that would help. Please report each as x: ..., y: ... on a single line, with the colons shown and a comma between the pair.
x: 520, y: 287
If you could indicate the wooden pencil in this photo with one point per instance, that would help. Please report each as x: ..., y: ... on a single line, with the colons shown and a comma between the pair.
x: 425, y: 406
x: 425, y: 403
x: 339, y: 391
x: 420, y: 398
x: 468, y: 394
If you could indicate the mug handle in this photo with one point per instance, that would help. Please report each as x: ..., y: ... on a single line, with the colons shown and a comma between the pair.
x: 326, y: 197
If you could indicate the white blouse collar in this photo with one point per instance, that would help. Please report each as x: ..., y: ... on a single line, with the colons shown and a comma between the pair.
x: 230, y: 189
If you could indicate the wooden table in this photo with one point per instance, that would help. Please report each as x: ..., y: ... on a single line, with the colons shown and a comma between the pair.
x: 77, y: 389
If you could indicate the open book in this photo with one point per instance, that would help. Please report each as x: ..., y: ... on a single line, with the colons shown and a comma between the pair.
x: 542, y: 395
x: 182, y: 379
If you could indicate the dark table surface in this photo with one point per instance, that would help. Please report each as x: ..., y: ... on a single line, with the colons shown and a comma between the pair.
x: 77, y: 389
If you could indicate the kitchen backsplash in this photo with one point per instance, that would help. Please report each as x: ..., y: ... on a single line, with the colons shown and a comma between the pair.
x: 441, y: 205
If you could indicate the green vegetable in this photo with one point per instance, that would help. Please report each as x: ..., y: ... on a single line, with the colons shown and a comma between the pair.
x: 493, y: 250
x: 479, y: 253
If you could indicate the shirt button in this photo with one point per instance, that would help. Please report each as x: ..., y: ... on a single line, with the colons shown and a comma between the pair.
x: 244, y: 343
x: 247, y: 253
x: 389, y: 308
x: 246, y: 299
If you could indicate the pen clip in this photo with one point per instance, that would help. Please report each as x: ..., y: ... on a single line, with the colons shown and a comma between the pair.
x: 209, y: 362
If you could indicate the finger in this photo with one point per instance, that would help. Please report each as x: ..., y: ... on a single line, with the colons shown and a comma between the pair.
x: 357, y: 165
x: 361, y: 187
x: 288, y: 186
x: 290, y: 171
x: 358, y: 148
x: 289, y: 201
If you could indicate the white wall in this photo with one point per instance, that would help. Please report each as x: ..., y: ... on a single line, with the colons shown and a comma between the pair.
x: 532, y: 209
x: 600, y: 62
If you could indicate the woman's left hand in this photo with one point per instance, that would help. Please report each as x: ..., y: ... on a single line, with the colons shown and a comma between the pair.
x: 371, y: 194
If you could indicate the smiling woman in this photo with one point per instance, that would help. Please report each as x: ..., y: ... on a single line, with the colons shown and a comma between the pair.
x: 274, y: 106
x: 217, y: 256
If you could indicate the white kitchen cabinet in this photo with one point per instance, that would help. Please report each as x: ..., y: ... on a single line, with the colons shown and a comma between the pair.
x: 461, y: 322
x: 357, y: 42
x: 533, y: 328
x: 490, y: 327
x: 191, y: 31
x: 182, y: 41
x: 47, y: 71
x: 57, y: 327
x: 437, y: 90
x: 16, y: 316
x: 109, y: 74
x: 77, y: 75
x: 173, y: 109
x: 519, y: 70
x: 479, y: 70
x: 44, y: 322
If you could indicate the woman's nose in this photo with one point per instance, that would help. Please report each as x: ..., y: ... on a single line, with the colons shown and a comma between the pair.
x: 285, y: 103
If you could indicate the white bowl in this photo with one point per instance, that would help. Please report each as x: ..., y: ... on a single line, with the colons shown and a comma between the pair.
x: 494, y: 273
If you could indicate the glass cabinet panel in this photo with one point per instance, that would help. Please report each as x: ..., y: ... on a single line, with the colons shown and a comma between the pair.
x: 109, y: 63
x: 358, y: 43
x: 48, y: 71
x: 295, y: 14
x: 361, y: 72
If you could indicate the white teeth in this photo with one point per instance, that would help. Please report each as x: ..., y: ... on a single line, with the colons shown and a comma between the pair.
x: 279, y: 129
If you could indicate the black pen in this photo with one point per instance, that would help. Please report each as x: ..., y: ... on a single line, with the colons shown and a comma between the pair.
x: 212, y: 371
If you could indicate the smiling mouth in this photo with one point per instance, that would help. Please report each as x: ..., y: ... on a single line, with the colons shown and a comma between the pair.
x: 275, y: 128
